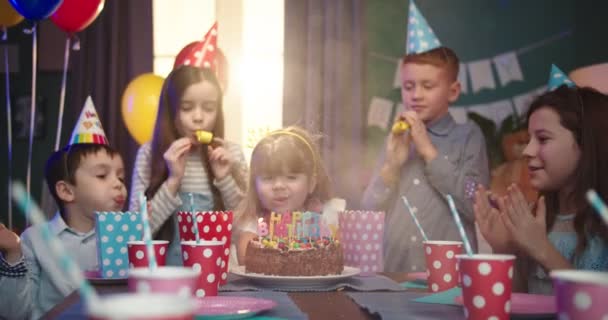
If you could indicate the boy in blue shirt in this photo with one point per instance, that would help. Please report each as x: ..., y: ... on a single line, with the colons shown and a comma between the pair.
x: 84, y: 177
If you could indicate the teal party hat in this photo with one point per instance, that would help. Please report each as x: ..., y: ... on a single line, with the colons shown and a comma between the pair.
x: 558, y: 78
x: 420, y: 36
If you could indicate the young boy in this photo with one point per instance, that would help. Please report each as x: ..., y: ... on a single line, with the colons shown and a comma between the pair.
x: 434, y: 158
x: 83, y: 178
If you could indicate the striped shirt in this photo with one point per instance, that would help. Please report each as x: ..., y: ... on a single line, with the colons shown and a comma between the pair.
x: 195, y: 180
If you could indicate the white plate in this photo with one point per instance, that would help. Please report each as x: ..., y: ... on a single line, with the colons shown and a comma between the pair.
x: 296, y: 282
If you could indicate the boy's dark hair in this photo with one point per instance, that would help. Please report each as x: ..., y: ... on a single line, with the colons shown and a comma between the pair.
x: 442, y: 57
x: 63, y: 163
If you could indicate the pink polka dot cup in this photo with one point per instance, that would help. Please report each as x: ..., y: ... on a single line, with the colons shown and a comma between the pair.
x: 205, y: 257
x: 181, y: 281
x: 581, y: 294
x: 138, y: 254
x: 361, y: 234
x: 441, y: 264
x: 486, y: 281
x: 212, y: 226
x: 143, y: 306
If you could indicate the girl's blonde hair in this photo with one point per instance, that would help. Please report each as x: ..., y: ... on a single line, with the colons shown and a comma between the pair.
x: 289, y: 150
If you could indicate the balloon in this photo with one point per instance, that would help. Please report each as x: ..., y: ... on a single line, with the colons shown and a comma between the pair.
x: 8, y: 16
x: 35, y: 9
x: 75, y: 15
x: 140, y: 104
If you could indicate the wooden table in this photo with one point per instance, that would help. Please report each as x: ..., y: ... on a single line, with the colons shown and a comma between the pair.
x: 317, y: 305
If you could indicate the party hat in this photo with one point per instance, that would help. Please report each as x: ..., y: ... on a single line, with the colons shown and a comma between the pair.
x: 200, y: 53
x: 558, y: 78
x: 88, y: 129
x: 420, y: 36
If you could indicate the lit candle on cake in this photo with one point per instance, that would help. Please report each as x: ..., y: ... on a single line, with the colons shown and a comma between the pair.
x: 274, y: 218
x: 262, y: 228
x: 296, y: 218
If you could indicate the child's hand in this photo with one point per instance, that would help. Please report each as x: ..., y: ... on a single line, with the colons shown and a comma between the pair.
x: 175, y: 158
x: 528, y: 230
x: 10, y: 244
x: 397, y: 149
x: 420, y: 136
x: 220, y: 159
x: 490, y: 223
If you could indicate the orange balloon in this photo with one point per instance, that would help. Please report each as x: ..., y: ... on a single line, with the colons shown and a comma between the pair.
x: 8, y: 15
x: 140, y: 105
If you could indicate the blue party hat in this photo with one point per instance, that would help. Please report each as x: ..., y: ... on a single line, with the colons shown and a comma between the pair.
x: 420, y: 37
x: 558, y: 78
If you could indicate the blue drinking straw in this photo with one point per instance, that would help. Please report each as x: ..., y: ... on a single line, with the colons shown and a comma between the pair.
x: 66, y: 262
x: 147, y: 233
x: 194, y: 223
x: 411, y: 210
x: 599, y: 205
x: 463, y: 235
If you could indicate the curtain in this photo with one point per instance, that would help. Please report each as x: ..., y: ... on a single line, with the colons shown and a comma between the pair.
x: 324, y: 87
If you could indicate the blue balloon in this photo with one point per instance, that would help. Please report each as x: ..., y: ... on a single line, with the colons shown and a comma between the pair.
x: 35, y: 9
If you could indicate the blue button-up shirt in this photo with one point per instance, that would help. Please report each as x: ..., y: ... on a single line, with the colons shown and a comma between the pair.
x: 29, y: 295
x: 461, y: 163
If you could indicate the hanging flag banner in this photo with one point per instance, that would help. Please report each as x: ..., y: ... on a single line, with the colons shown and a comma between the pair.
x: 463, y: 78
x: 481, y: 75
x: 507, y: 67
x: 379, y: 113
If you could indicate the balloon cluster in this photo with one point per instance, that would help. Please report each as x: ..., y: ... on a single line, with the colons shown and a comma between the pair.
x: 69, y: 15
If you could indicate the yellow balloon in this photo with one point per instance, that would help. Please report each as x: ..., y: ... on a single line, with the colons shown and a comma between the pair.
x: 8, y: 15
x: 140, y: 105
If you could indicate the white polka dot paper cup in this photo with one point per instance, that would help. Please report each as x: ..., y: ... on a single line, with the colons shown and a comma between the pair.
x: 181, y: 281
x: 138, y: 254
x: 441, y: 264
x: 486, y: 281
x: 581, y: 294
x: 361, y: 234
x: 205, y: 257
x: 212, y: 226
x: 143, y: 306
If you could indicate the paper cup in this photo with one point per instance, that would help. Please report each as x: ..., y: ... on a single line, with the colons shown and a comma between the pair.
x: 581, y: 294
x: 441, y: 264
x: 212, y: 226
x: 181, y: 281
x: 486, y: 285
x: 138, y: 253
x: 143, y: 306
x: 206, y: 258
x: 361, y: 234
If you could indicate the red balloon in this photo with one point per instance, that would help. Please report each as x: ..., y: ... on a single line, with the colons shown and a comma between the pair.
x: 75, y: 15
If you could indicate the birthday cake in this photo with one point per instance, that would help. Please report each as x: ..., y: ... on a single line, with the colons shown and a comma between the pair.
x: 315, y: 258
x: 294, y: 244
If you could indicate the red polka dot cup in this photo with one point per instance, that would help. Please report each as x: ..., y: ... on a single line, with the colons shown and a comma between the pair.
x: 441, y: 264
x: 486, y: 285
x: 181, y: 281
x: 138, y: 253
x: 212, y: 226
x: 143, y: 306
x: 581, y: 294
x: 206, y: 258
x: 361, y: 234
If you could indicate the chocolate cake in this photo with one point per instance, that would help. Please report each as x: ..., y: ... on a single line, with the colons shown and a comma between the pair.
x: 316, y: 258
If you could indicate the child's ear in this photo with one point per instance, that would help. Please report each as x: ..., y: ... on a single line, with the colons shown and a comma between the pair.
x: 65, y: 191
x: 454, y: 92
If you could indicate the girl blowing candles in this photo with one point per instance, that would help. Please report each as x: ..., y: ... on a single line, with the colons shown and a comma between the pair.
x: 567, y: 155
x: 286, y: 175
